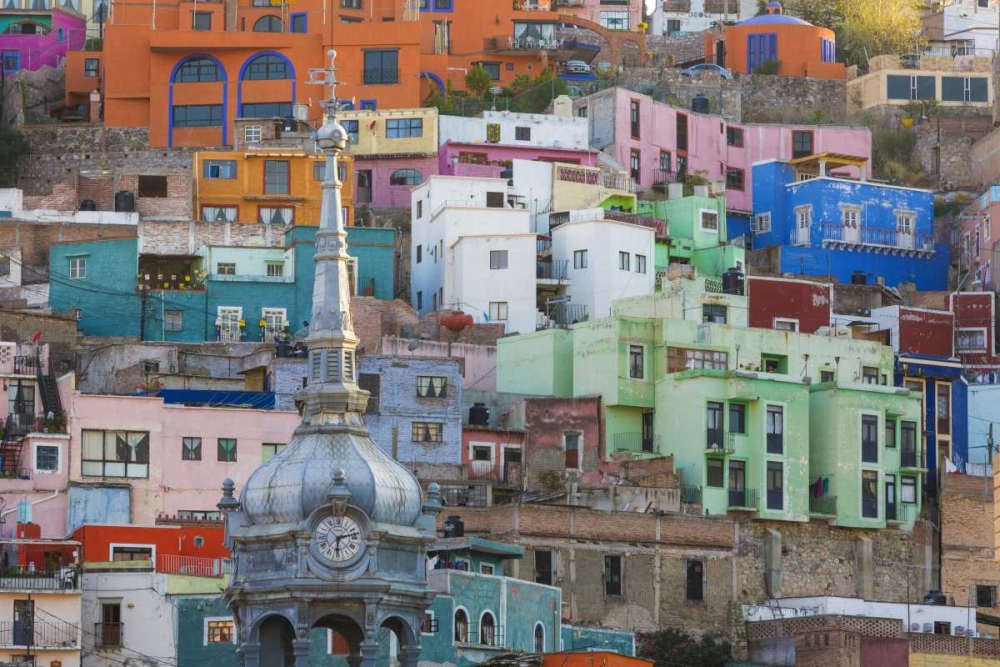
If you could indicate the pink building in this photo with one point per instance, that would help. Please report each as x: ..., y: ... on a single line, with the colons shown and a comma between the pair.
x: 34, y: 38
x: 386, y: 182
x: 656, y: 142
x: 490, y: 160
x: 979, y: 242
x: 623, y: 15
x: 493, y: 454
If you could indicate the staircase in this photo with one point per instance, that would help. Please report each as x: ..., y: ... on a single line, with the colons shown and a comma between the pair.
x: 10, y: 450
x: 51, y: 403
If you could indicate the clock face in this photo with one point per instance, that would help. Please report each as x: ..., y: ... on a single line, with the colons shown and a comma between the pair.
x: 338, y: 538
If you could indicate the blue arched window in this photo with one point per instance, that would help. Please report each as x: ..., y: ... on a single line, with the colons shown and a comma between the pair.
x: 267, y: 67
x: 406, y: 177
x: 60, y: 35
x: 268, y: 24
x: 198, y: 70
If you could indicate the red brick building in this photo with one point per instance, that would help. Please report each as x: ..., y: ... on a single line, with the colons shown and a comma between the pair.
x: 789, y: 304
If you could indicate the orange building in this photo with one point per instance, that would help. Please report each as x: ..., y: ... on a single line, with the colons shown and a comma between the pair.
x: 187, y: 69
x: 266, y: 186
x: 592, y: 659
x: 800, y: 48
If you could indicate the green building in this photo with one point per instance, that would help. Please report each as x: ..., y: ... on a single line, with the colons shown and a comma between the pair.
x: 788, y: 426
x: 698, y: 234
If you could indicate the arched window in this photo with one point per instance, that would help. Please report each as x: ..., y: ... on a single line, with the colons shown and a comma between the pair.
x: 267, y: 66
x: 406, y: 177
x: 268, y: 24
x: 539, y: 638
x: 60, y: 35
x: 461, y: 626
x: 487, y: 629
x: 198, y: 70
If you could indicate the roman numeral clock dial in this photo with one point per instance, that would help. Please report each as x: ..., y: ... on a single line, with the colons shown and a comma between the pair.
x: 338, y: 538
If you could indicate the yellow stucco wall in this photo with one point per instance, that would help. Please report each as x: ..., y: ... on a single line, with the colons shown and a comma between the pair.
x: 941, y: 660
x: 372, y: 139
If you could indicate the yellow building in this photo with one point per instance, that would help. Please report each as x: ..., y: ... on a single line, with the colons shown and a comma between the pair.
x: 385, y: 132
x: 946, y: 81
x: 267, y: 186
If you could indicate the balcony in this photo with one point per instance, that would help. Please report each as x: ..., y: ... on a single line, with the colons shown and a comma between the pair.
x: 561, y: 316
x: 193, y: 566
x: 543, y: 247
x: 691, y: 495
x: 594, y: 176
x: 743, y: 499
x: 511, y: 44
x: 556, y: 270
x: 490, y: 637
x: 657, y: 225
x: 26, y: 365
x: 824, y: 506
x: 22, y: 579
x: 910, y: 458
x: 642, y: 445
x: 19, y: 424
x: 380, y: 76
x: 664, y: 177
x: 108, y: 635
x: 720, y: 443
x: 897, y: 513
x: 874, y: 239
x: 510, y: 474
x: 39, y: 635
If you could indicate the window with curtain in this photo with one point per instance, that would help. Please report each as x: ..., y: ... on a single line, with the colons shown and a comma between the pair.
x: 276, y: 216
x: 426, y: 432
x: 115, y: 454
x: 227, y: 450
x: 191, y: 449
x: 430, y: 386
x: 461, y: 626
x: 219, y: 213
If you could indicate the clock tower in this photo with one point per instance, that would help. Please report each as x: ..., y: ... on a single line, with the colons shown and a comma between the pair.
x: 330, y: 533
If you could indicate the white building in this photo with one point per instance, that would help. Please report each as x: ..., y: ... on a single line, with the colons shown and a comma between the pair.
x: 517, y: 129
x: 963, y: 27
x: 679, y: 17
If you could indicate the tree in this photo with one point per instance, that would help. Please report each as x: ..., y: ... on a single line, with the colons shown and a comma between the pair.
x: 672, y: 647
x: 478, y: 81
x: 875, y: 28
x: 823, y: 13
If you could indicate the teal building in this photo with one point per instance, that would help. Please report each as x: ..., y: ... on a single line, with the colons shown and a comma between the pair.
x: 220, y: 293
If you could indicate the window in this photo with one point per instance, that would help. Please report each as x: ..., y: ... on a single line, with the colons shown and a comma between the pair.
x: 299, y: 23
x: 522, y: 133
x: 201, y: 21
x: 225, y: 269
x: 571, y: 444
x: 539, y: 638
x: 381, y: 67
x: 665, y: 161
x: 153, y: 186
x: 890, y: 433
x: 615, y: 20
x: 761, y: 223
x: 685, y: 359
x: 91, y: 67
x: 640, y: 264
x: 737, y: 484
x: 784, y: 324
x: 581, y: 112
x: 115, y: 454
x: 420, y: 300
x: 909, y: 490
x: 427, y: 432
x: 734, y: 179
x: 908, y: 437
x: 319, y: 171
x: 498, y: 311
x: 869, y: 374
x: 487, y: 630
x: 964, y: 89
x: 402, y: 128
x: 372, y: 383
x: 406, y: 177
x: 223, y: 169
x: 623, y: 261
x: 695, y: 581
x: 493, y: 69
x: 351, y: 126
x: 869, y: 494
x: 268, y: 24
x: 267, y: 67
x: 461, y: 626
x: 709, y: 221
x: 191, y: 449
x: 432, y: 386
x: 970, y: 340
x: 46, y: 458
x: 986, y: 596
x: 869, y: 439
x: 275, y: 177
x: 252, y: 134
x: 635, y: 170
x: 543, y: 567
x: 429, y: 626
x: 125, y: 553
x: 775, y: 486
x: 199, y: 515
x: 761, y: 48
x: 579, y: 259
x: 269, y: 450
x: 198, y: 115
x: 827, y: 376
x: 486, y: 568
x: 633, y: 109
x: 943, y: 408
x: 636, y: 362
x: 227, y: 450
x: 613, y: 575
x: 714, y: 313
x: 498, y: 259
x: 494, y: 200
x: 11, y: 61
x: 802, y: 144
x: 219, y: 631
x: 714, y: 473
x: 266, y: 110
x: 275, y: 269
x: 77, y: 268
x: 737, y: 418
x: 350, y: 4
x: 734, y: 136
x: 713, y: 425
x: 775, y: 429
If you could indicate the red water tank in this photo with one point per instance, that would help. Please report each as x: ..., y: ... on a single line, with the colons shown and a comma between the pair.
x: 456, y: 321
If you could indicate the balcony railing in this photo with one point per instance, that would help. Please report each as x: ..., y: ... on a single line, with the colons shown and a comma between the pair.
x: 826, y: 505
x: 39, y: 634
x: 191, y: 565
x: 637, y: 443
x: 501, y: 43
x: 490, y: 471
x: 910, y: 458
x: 878, y: 239
x: 592, y: 176
x: 108, y: 634
x: 543, y: 246
x: 21, y: 423
x: 664, y: 176
x: 492, y: 637
x: 720, y: 443
x: 381, y: 75
x: 62, y: 579
x: 657, y: 225
x: 743, y: 499
x: 26, y: 365
x: 557, y: 269
x: 691, y: 495
x: 562, y: 315
x: 897, y: 512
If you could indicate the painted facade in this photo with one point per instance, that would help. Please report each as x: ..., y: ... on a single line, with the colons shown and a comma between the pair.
x: 977, y: 244
x: 31, y: 39
x: 269, y: 187
x: 975, y: 335
x: 697, y: 15
x: 966, y: 27
x: 831, y: 226
x: 666, y: 142
x: 799, y: 47
x: 943, y: 81
x: 804, y: 306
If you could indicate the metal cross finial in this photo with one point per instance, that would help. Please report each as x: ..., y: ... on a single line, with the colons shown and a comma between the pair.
x: 327, y: 77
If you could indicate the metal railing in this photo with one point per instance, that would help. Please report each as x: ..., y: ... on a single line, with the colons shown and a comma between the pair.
x: 26, y: 365
x: 543, y: 246
x: 909, y: 457
x: 62, y: 579
x: 511, y: 43
x: 662, y: 176
x: 490, y: 471
x: 714, y: 285
x: 562, y: 315
x: 593, y: 176
x: 657, y: 225
x: 380, y: 75
x: 720, y: 443
x: 492, y: 637
x: 108, y: 634
x: 39, y: 634
x: 897, y: 512
x: 691, y: 495
x: 637, y: 443
x: 557, y: 269
x: 464, y: 496
x: 743, y: 498
x: 879, y: 237
x: 194, y: 566
x: 826, y: 505
x: 21, y: 423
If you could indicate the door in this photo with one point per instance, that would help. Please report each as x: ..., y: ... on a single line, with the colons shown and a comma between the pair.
x: 720, y: 53
x: 24, y: 622
x: 737, y: 484
x: 890, y: 497
x: 274, y: 323
x: 852, y: 226
x: 364, y: 186
x: 647, y: 431
x: 228, y: 324
x: 512, y: 465
x: 111, y: 624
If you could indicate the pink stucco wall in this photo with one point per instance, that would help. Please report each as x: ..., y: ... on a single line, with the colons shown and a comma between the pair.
x: 38, y: 51
x: 707, y: 146
x: 47, y: 493
x: 591, y: 10
x: 391, y: 196
x: 498, y: 153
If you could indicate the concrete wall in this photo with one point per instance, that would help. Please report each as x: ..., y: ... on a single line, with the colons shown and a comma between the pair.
x: 546, y: 130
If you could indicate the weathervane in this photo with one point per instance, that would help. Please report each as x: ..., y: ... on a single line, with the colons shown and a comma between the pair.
x: 327, y: 77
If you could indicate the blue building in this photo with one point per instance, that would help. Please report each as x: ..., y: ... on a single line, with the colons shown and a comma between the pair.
x: 221, y: 293
x: 825, y: 225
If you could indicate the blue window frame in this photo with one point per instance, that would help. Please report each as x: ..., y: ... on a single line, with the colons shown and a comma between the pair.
x: 443, y: 5
x: 11, y: 61
x: 369, y: 105
x: 267, y: 67
x: 60, y: 35
x: 827, y: 51
x: 403, y: 128
x: 352, y: 130
x: 222, y: 169
x: 761, y: 48
x: 299, y: 22
x: 198, y: 115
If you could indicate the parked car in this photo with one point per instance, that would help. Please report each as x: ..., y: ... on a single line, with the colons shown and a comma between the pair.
x: 577, y: 67
x: 697, y: 70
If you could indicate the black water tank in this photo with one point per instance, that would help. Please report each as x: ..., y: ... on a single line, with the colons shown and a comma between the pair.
x: 859, y: 278
x: 454, y: 527
x: 732, y: 282
x: 479, y: 415
x: 124, y: 201
x: 701, y: 104
x: 88, y: 205
x: 935, y: 598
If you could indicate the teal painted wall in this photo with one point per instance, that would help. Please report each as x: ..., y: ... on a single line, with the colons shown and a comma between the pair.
x: 196, y: 325
x: 577, y: 638
x: 106, y: 295
x: 374, y: 248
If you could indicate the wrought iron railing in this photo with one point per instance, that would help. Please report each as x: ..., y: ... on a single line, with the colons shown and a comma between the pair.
x: 26, y: 365
x: 743, y: 498
x: 21, y: 423
x: 662, y: 176
x: 62, y: 579
x: 381, y: 75
x: 562, y: 315
x: 637, y: 442
x: 490, y: 471
x: 868, y: 235
x: 464, y: 496
x: 194, y: 566
x: 657, y: 225
x: 40, y: 634
x: 826, y: 505
x: 543, y: 246
x: 910, y: 457
x: 108, y: 634
x: 691, y: 495
x: 897, y: 512
x: 719, y: 443
x: 557, y: 269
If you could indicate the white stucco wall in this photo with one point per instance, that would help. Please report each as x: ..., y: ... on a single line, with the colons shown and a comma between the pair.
x: 922, y: 614
x: 547, y: 131
x: 474, y: 284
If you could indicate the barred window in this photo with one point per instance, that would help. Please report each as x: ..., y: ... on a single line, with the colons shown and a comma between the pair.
x: 431, y: 386
x: 427, y: 432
